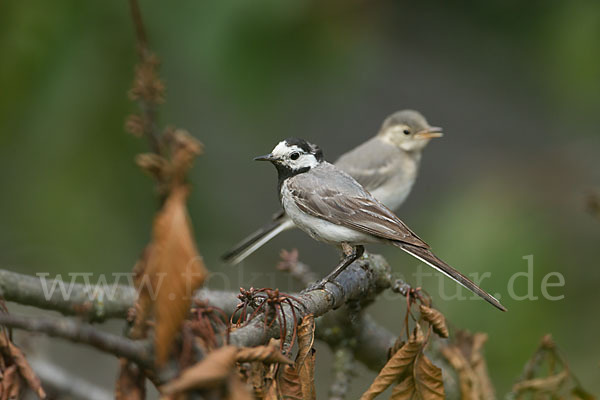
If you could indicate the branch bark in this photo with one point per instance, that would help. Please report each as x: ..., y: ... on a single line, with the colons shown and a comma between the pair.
x: 98, y: 303
x: 362, y: 280
x: 94, y: 303
x: 137, y: 351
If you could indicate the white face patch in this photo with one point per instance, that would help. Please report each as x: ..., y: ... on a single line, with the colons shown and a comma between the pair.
x: 287, y: 153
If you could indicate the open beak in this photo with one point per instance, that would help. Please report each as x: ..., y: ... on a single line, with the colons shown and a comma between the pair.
x: 429, y: 133
x: 266, y: 157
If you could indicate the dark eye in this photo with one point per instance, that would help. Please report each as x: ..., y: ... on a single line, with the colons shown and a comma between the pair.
x: 406, y: 131
x: 294, y: 155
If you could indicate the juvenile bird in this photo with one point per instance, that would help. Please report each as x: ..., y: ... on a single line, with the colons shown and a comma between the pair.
x: 332, y: 207
x: 386, y: 165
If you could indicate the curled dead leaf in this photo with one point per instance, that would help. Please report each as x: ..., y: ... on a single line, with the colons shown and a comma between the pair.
x: 173, y: 271
x: 154, y: 165
x: 436, y: 319
x: 212, y: 371
x: 465, y: 355
x: 237, y: 390
x: 131, y: 383
x: 399, y: 365
x: 147, y: 84
x: 306, y: 338
x: 423, y: 383
x: 267, y: 354
x: 16, y: 358
x: 549, y: 384
x: 288, y: 385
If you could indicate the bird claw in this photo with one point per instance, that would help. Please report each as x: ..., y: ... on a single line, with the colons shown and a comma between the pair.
x: 322, y: 285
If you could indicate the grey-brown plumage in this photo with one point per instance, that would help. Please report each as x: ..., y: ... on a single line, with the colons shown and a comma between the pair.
x: 385, y: 165
x: 333, y: 207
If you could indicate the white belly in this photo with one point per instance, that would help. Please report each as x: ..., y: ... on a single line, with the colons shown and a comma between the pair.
x: 320, y: 229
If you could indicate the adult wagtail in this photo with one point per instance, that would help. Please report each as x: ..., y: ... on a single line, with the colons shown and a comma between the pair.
x: 332, y: 207
x: 386, y: 166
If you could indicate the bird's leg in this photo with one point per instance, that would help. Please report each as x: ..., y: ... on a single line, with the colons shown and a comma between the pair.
x: 351, y: 254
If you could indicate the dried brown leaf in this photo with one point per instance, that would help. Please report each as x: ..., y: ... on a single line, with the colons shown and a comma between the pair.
x: 10, y: 386
x: 289, y: 385
x: 266, y: 354
x: 465, y: 355
x: 257, y: 379
x: 306, y: 338
x: 211, y: 372
x: 436, y: 319
x: 397, y: 366
x: 305, y: 359
x: 17, y: 358
x: 131, y: 383
x: 424, y: 383
x: 135, y: 125
x: 479, y: 366
x: 185, y: 148
x: 174, y: 270
x: 154, y: 165
x: 307, y: 376
x: 270, y: 387
x: 238, y: 390
x: 559, y: 384
x: 549, y: 384
x: 467, y: 379
x: 147, y: 85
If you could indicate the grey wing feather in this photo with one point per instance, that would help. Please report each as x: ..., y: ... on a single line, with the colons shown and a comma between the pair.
x: 372, y: 163
x: 344, y: 202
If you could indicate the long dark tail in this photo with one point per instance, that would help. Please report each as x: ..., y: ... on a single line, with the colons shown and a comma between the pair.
x: 256, y: 239
x: 432, y: 260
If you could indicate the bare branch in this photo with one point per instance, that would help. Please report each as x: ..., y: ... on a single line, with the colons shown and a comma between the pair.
x: 90, y: 302
x: 363, y: 279
x: 137, y: 351
x: 97, y: 303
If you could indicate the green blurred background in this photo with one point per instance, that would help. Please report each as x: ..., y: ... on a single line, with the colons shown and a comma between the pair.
x: 515, y: 85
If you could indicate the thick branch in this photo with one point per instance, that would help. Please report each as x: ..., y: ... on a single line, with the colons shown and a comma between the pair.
x: 90, y: 302
x: 96, y: 303
x: 138, y: 351
x: 362, y: 280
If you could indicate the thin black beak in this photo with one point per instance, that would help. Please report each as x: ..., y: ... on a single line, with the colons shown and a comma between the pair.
x: 266, y: 157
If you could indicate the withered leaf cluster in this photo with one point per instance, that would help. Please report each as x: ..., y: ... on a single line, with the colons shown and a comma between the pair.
x: 171, y: 268
x: 292, y: 380
x: 464, y: 353
x: 261, y: 372
x: 16, y: 375
x: 409, y: 371
x: 556, y: 381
